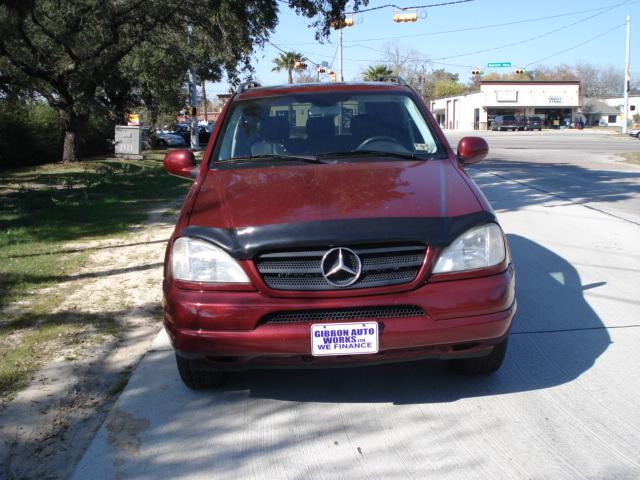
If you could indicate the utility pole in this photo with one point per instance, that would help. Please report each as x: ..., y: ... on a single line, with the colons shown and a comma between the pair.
x: 204, y: 100
x: 627, y: 77
x: 340, y: 75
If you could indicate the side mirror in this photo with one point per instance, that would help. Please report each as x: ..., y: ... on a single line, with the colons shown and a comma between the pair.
x: 472, y: 150
x: 181, y: 163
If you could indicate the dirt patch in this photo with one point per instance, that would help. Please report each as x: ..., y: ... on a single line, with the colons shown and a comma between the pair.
x: 46, y: 428
x: 123, y: 434
x: 630, y: 157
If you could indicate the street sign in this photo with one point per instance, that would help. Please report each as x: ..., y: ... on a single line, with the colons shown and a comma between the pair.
x: 499, y: 65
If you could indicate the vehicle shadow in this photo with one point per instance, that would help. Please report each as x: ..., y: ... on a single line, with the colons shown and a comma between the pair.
x: 555, y: 337
x: 531, y: 183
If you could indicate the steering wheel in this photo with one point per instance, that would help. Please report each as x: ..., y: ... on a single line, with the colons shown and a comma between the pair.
x: 378, y: 138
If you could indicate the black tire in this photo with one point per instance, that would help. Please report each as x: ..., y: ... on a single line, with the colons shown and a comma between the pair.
x: 482, y: 365
x: 196, y: 378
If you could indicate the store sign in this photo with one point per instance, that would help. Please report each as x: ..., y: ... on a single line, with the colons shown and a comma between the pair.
x: 506, y: 95
x: 133, y: 119
x: 555, y: 99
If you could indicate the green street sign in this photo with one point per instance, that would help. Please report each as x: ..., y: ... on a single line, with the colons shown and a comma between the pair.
x: 499, y: 65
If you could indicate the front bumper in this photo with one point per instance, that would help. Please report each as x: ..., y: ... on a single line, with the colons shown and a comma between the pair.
x: 224, y: 329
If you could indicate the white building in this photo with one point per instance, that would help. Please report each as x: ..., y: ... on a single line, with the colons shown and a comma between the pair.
x: 553, y: 101
x: 618, y: 102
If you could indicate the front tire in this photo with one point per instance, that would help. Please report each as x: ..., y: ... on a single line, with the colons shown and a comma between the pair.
x: 482, y: 365
x: 196, y: 378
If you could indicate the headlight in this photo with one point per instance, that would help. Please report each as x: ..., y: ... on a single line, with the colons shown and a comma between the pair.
x: 479, y: 247
x: 197, y: 261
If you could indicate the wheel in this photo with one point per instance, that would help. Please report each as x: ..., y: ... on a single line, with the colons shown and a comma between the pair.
x: 482, y: 365
x: 197, y: 378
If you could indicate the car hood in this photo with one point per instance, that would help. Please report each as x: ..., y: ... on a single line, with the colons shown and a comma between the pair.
x: 241, y: 197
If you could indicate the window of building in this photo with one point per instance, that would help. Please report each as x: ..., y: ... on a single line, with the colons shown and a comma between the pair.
x: 612, y: 118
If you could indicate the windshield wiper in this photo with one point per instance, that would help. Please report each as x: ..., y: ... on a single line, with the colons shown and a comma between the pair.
x: 275, y: 156
x: 378, y: 153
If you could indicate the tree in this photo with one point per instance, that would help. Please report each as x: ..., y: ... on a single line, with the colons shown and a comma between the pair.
x: 85, y: 56
x: 448, y: 88
x: 308, y: 75
x: 288, y: 61
x: 597, y: 82
x: 374, y: 72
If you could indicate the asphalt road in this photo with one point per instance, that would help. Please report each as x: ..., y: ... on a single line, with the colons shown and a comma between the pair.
x: 581, y: 166
x: 564, y: 405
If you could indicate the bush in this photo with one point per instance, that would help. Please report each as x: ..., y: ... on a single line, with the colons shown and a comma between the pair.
x: 31, y: 133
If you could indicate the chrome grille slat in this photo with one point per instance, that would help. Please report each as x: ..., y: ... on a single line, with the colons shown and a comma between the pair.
x: 301, y: 270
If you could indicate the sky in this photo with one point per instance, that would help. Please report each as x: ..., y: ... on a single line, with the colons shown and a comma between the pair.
x: 466, y: 35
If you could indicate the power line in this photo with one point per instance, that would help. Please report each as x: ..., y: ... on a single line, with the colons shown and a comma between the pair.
x: 508, y: 45
x: 536, y: 37
x: 576, y: 45
x: 469, y: 29
x: 415, y: 7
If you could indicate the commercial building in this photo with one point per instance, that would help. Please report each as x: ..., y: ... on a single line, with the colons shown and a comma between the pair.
x: 618, y: 103
x: 555, y: 102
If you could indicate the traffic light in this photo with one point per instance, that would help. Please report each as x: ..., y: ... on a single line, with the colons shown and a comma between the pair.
x: 400, y: 17
x: 193, y: 111
x: 300, y: 65
x: 476, y: 72
x: 321, y: 69
x: 520, y: 71
x: 332, y: 75
x: 347, y: 22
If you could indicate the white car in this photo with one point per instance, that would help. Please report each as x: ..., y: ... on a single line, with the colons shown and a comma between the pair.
x: 635, y: 133
x: 166, y: 139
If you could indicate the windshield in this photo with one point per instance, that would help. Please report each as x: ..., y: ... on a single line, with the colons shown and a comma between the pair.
x: 323, y: 124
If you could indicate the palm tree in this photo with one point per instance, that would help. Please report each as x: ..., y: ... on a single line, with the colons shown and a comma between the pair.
x: 374, y: 72
x: 288, y: 61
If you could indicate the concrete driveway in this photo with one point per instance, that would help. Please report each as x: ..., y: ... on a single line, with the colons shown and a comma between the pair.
x: 564, y: 405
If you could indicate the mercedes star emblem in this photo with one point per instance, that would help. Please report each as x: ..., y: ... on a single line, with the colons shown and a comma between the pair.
x: 341, y: 267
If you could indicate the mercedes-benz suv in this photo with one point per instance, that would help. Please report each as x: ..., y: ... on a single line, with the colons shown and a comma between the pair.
x: 330, y: 225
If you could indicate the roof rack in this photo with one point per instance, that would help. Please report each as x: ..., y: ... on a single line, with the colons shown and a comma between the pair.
x: 247, y: 85
x: 392, y: 78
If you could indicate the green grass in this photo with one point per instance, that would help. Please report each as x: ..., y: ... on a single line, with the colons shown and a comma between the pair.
x: 45, y: 210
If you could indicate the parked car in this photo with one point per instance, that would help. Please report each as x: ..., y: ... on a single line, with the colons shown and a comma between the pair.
x: 533, y: 123
x: 635, y: 133
x: 184, y: 130
x: 303, y: 243
x: 508, y: 122
x: 168, y: 139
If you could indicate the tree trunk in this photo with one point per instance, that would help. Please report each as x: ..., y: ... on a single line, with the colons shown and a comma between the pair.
x: 290, y: 76
x: 70, y: 150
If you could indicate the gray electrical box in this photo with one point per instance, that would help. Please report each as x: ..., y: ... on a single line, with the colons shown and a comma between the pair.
x: 128, y: 141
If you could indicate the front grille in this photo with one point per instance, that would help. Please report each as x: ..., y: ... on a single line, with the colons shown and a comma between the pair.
x: 344, y: 314
x: 381, y: 266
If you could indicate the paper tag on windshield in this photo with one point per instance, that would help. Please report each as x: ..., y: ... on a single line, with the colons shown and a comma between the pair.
x: 421, y: 146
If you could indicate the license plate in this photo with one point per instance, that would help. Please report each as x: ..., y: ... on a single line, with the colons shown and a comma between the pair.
x: 344, y: 338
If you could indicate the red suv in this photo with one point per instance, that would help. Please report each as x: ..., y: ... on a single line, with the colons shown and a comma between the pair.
x: 331, y: 225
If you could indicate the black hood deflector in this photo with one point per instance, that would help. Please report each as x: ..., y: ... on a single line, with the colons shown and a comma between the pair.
x: 245, y: 242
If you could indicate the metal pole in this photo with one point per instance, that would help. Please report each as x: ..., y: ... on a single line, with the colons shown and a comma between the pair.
x: 341, y: 77
x: 193, y: 96
x: 627, y: 77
